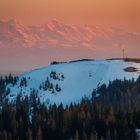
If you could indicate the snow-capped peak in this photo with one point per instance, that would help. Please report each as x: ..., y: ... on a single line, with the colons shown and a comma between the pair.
x: 70, y: 82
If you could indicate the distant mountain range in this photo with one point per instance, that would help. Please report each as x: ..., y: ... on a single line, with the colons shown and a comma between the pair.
x: 31, y: 45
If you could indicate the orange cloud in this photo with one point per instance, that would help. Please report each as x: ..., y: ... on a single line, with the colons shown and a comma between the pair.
x: 125, y: 13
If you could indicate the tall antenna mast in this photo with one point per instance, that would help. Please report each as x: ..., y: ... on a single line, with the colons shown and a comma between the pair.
x: 123, y: 53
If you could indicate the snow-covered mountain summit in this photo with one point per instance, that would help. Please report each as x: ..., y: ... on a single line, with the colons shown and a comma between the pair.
x: 71, y: 81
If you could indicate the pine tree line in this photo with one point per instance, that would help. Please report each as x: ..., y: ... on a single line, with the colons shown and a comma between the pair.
x: 113, y: 115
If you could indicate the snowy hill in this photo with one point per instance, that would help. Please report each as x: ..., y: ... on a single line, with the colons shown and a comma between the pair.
x: 69, y: 82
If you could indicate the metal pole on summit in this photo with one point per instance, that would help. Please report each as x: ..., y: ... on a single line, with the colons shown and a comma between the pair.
x: 123, y: 53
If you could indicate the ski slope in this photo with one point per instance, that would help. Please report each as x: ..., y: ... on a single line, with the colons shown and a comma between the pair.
x: 80, y: 79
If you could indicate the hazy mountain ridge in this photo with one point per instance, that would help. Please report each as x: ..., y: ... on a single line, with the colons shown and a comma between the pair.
x: 56, y: 33
x: 31, y: 45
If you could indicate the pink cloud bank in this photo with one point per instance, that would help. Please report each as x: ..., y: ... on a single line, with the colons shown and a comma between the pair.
x: 24, y: 47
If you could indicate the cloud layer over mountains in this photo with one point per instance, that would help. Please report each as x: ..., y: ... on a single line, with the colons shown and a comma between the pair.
x: 24, y: 47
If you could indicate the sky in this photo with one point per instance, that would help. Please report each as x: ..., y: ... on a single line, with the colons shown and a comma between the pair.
x: 122, y: 13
